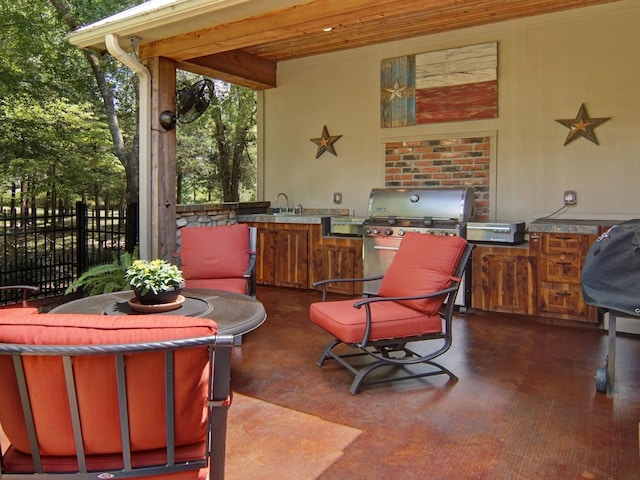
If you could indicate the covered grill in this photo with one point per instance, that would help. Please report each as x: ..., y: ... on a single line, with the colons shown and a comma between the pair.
x: 392, y: 212
x: 611, y: 281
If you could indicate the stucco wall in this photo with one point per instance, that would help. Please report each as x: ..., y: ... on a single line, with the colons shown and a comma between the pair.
x: 547, y: 67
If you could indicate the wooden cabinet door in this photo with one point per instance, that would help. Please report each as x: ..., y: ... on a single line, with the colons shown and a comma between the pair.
x: 265, y: 255
x: 560, y: 260
x: 504, y: 280
x: 562, y: 300
x: 292, y: 258
x: 335, y: 257
x: 336, y: 262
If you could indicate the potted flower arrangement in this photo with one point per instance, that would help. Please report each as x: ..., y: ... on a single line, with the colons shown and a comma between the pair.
x: 155, y: 281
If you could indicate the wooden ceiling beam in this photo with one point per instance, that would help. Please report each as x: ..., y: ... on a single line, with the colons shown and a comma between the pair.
x: 288, y: 23
x: 434, y: 20
x: 237, y: 67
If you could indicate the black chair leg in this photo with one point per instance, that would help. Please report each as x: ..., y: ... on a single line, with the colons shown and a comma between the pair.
x: 326, y: 352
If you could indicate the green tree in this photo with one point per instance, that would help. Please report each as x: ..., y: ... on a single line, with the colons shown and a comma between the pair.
x: 51, y: 141
x: 117, y: 86
x: 45, y: 146
x: 216, y: 153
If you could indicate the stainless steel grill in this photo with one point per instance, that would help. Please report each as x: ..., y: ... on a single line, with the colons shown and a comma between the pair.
x: 393, y: 212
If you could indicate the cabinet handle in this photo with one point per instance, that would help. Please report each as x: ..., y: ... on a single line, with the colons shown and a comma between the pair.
x: 563, y: 293
x: 564, y: 237
x: 564, y: 263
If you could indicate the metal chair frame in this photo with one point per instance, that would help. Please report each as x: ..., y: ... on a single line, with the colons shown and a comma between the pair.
x: 383, y: 351
x: 219, y: 399
x: 26, y: 289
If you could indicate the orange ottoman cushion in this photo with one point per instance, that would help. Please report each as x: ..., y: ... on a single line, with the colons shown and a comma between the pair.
x: 96, y: 384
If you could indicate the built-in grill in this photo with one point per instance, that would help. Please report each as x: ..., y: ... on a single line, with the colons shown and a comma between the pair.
x: 392, y: 212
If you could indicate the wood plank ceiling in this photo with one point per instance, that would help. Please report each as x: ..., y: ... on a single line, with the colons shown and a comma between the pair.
x: 247, y: 51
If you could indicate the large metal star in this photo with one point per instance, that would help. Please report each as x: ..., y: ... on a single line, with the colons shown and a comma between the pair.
x: 325, y: 142
x: 582, y: 126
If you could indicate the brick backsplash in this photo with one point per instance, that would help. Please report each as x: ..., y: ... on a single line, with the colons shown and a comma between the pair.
x: 448, y: 162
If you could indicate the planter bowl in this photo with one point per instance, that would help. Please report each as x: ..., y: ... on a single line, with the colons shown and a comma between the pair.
x: 159, y: 298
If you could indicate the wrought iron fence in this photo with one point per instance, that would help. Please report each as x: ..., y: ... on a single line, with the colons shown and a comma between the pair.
x: 50, y: 250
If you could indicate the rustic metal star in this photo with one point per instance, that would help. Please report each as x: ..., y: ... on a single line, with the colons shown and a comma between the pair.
x: 582, y: 126
x: 396, y: 91
x: 325, y: 142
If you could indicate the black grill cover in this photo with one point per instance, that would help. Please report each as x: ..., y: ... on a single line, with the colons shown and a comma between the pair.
x: 611, y: 271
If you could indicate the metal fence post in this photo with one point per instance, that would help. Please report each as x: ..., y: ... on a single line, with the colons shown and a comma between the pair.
x: 131, y: 227
x: 82, y: 238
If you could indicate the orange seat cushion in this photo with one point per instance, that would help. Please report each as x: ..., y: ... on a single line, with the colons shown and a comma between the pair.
x: 13, y: 311
x: 389, y: 320
x: 423, y: 264
x: 18, y: 462
x: 96, y: 383
x: 238, y: 285
x: 214, y: 252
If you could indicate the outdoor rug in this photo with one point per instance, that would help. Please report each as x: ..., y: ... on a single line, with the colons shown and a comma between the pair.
x: 267, y: 441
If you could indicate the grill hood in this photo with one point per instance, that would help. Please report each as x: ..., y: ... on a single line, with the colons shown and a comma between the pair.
x: 439, y: 204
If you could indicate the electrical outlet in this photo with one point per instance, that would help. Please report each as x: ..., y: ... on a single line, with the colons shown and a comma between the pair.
x: 570, y: 197
x: 337, y: 198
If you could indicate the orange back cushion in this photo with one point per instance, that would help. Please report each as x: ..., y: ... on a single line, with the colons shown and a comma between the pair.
x: 96, y: 384
x: 214, y: 252
x: 424, y: 263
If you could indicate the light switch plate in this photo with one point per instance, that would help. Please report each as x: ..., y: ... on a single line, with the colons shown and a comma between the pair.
x: 337, y: 198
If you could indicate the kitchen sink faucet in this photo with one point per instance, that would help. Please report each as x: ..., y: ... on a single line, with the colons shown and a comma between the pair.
x: 278, y: 197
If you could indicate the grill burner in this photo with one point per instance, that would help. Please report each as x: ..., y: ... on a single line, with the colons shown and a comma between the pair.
x: 397, y: 228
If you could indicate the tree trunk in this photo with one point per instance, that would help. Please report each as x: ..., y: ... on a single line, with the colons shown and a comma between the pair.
x: 129, y: 159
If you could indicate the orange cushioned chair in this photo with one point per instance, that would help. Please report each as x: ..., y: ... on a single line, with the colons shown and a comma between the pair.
x: 98, y: 396
x: 425, y: 271
x: 220, y: 257
x: 26, y: 290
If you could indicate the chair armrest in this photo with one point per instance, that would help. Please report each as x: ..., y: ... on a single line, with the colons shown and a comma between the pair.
x: 324, y: 283
x: 26, y: 289
x: 250, y: 275
x: 439, y: 293
x: 251, y: 266
x: 368, y: 301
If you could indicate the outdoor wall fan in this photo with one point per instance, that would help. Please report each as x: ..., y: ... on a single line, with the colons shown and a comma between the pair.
x: 191, y: 102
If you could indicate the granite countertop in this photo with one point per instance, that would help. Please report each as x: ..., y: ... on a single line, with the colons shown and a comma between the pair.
x: 308, y: 216
x: 271, y: 218
x: 563, y: 225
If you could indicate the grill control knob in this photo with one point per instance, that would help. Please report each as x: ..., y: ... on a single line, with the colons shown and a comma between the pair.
x: 388, y: 231
x: 401, y: 233
x: 376, y: 231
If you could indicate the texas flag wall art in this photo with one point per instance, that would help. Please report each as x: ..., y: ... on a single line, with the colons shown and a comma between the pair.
x: 444, y: 86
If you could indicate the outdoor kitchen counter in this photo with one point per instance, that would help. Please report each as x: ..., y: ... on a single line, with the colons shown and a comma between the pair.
x: 584, y: 227
x: 540, y: 278
x: 271, y: 218
x: 294, y: 251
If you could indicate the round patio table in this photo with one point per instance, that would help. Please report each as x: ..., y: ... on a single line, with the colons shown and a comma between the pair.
x: 235, y: 314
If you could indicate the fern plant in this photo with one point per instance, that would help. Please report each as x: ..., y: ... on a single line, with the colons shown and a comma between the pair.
x: 105, y: 278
